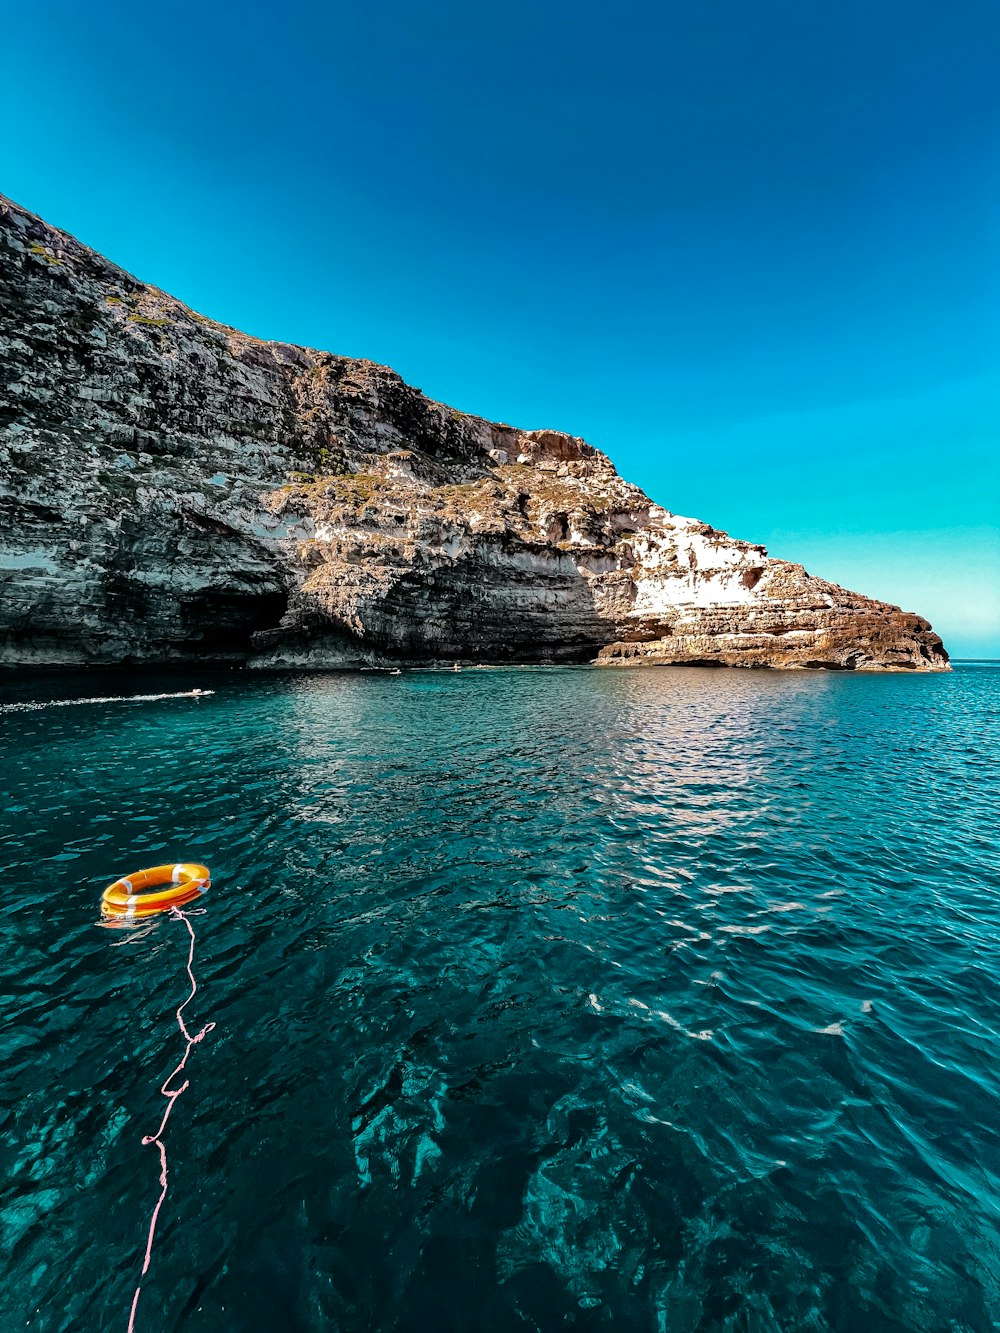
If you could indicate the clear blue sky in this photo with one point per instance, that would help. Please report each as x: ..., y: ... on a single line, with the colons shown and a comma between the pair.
x: 747, y: 247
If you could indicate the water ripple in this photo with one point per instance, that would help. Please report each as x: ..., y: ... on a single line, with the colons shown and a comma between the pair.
x: 546, y: 999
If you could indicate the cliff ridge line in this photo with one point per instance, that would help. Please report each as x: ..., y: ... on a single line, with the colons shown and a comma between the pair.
x: 172, y: 488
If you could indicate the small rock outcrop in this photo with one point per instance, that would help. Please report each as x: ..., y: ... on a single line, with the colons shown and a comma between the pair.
x: 171, y: 488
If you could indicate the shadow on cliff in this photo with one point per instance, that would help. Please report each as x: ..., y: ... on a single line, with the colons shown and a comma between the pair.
x: 528, y: 604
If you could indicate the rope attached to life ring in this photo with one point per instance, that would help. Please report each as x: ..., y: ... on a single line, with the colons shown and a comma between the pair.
x: 171, y: 1095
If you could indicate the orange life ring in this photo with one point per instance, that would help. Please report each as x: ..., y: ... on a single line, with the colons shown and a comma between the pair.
x: 127, y: 900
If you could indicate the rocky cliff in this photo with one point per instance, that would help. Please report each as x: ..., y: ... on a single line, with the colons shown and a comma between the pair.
x: 171, y: 488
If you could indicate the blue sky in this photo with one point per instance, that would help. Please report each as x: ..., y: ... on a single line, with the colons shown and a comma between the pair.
x: 748, y: 249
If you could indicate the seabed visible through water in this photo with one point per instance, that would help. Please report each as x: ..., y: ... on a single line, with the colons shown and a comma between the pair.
x: 545, y: 999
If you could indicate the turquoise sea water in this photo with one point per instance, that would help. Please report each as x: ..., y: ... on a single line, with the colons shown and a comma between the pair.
x: 658, y: 1000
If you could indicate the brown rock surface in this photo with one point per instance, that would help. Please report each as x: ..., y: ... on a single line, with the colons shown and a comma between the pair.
x: 171, y: 488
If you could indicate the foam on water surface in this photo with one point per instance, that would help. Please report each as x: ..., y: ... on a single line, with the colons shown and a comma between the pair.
x: 33, y: 705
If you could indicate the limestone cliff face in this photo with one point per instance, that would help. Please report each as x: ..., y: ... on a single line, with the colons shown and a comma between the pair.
x: 170, y: 488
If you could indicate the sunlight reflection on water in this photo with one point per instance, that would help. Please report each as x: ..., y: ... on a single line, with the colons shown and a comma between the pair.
x: 547, y: 998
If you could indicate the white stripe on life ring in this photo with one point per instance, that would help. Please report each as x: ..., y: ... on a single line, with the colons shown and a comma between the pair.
x: 178, y: 874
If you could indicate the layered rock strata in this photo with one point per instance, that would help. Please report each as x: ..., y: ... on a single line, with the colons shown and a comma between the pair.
x: 171, y: 488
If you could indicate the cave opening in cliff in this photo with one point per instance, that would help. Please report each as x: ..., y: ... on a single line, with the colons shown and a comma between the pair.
x: 223, y: 625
